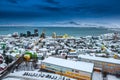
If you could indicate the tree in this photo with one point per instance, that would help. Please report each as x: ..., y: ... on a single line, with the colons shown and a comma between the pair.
x: 3, y: 47
x: 34, y: 56
x: 29, y: 53
x: 8, y: 59
x: 42, y: 58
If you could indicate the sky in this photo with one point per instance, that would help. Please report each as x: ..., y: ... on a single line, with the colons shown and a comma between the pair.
x: 60, y: 12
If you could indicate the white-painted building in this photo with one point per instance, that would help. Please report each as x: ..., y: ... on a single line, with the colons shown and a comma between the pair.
x: 74, y: 69
x: 109, y: 65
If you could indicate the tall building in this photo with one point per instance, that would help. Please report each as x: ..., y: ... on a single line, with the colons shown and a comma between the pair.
x: 115, y: 37
x: 36, y: 32
x: 21, y: 34
x: 28, y: 33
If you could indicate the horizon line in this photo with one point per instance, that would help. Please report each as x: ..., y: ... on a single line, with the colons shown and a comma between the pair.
x: 55, y: 26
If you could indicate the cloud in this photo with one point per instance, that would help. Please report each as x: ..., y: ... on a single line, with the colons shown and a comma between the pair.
x: 13, y: 1
x: 52, y: 8
x: 74, y: 23
x: 48, y: 8
x: 20, y: 15
x: 95, y: 10
x: 51, y: 1
x: 69, y: 23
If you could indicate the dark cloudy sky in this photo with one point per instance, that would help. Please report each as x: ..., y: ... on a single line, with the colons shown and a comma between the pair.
x: 38, y: 12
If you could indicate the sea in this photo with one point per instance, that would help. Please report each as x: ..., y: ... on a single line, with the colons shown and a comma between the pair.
x: 71, y: 31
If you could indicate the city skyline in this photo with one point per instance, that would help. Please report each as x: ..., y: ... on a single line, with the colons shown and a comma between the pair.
x: 60, y: 12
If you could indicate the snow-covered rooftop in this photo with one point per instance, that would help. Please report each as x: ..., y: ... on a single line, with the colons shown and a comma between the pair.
x: 83, y: 66
x: 108, y: 60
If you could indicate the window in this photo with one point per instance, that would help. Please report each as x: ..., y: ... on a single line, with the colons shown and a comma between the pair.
x: 76, y: 71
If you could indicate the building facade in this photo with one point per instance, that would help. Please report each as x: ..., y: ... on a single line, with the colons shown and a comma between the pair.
x: 73, y: 69
x: 108, y: 65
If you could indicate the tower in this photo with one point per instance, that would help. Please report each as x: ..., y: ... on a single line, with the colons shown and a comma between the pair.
x: 36, y: 32
x: 28, y: 33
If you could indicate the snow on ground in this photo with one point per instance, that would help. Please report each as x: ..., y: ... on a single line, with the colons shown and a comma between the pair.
x: 112, y: 77
x: 20, y: 76
x: 11, y: 79
x: 97, y: 76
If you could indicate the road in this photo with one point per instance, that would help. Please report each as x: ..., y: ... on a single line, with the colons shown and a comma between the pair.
x: 11, y: 67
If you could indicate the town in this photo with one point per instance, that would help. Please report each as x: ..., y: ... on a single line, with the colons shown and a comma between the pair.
x: 59, y: 57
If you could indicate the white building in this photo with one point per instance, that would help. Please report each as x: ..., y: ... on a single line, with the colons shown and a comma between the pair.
x: 73, y: 69
x: 109, y: 65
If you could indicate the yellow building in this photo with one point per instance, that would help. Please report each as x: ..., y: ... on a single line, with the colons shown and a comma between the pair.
x: 74, y: 69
